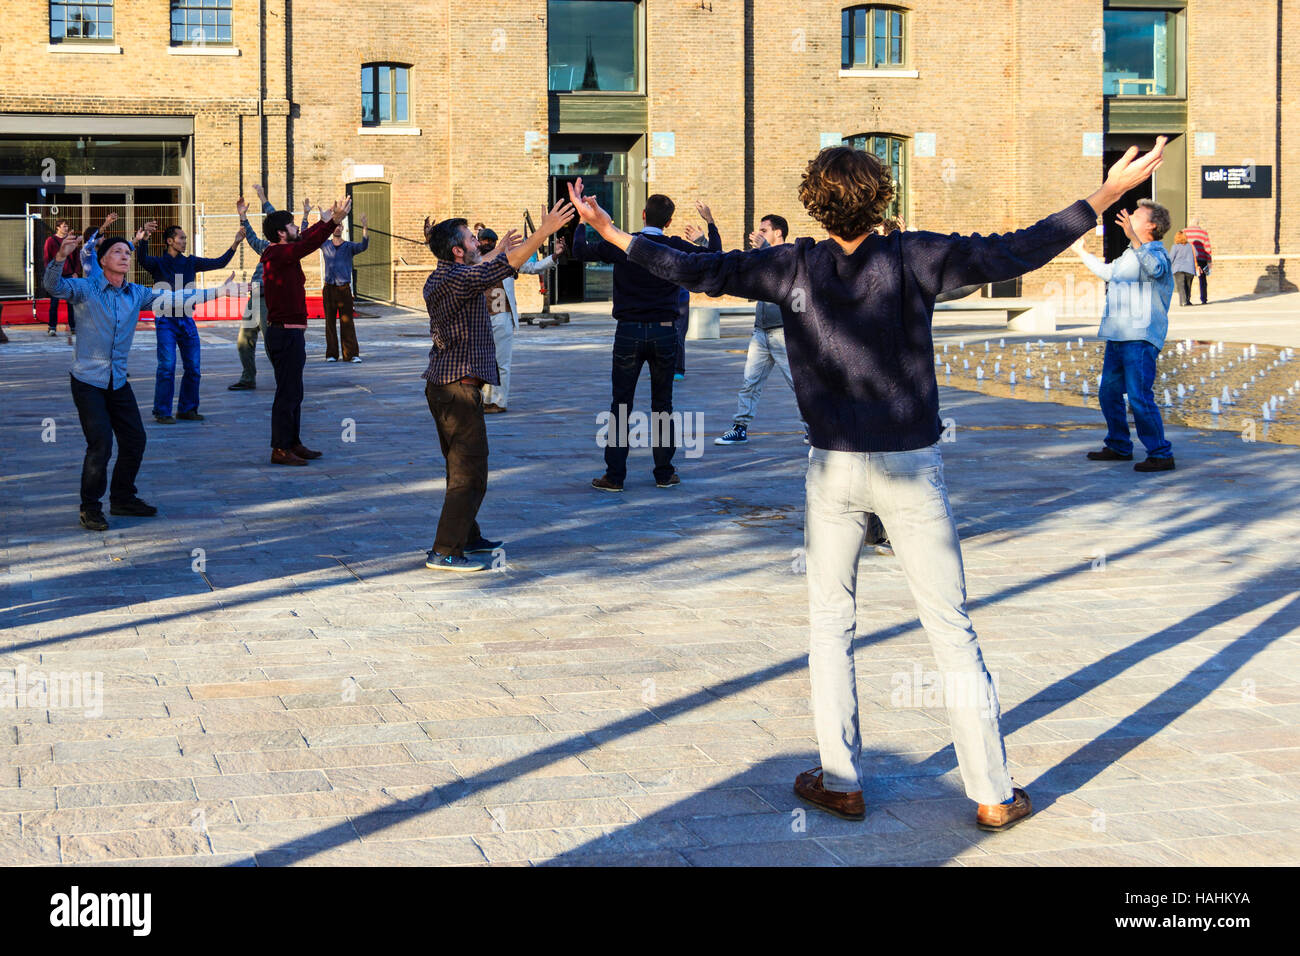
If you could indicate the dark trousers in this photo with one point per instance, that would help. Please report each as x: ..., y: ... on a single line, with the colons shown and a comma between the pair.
x: 288, y: 351
x: 54, y: 314
x: 1205, y: 273
x: 104, y: 413
x: 683, y: 323
x: 337, y: 300
x: 1184, y: 283
x: 635, y: 344
x: 458, y: 412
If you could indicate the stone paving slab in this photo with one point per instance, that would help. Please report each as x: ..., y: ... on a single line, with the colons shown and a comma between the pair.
x: 630, y: 688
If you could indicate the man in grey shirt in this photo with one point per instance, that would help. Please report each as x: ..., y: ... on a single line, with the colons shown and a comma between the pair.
x: 766, y: 344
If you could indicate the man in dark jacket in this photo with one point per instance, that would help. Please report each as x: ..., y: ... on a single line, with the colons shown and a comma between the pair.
x: 858, y: 309
x: 646, y: 308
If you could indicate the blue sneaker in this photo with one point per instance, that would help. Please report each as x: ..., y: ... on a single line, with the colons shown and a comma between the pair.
x: 451, y: 562
x: 678, y: 377
x: 735, y: 435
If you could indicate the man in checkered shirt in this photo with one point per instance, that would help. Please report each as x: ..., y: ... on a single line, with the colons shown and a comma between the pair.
x: 462, y: 360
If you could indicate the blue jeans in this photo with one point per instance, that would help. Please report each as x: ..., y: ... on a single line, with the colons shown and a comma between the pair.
x: 906, y: 489
x: 1131, y: 367
x: 766, y: 352
x: 635, y: 344
x: 172, y: 332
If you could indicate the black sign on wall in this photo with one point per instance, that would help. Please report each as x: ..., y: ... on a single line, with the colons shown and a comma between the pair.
x: 1236, y: 182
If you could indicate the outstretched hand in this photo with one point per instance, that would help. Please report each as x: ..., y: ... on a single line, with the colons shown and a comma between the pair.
x: 340, y: 210
x: 241, y: 207
x: 1125, y: 222
x: 692, y: 231
x: 67, y: 247
x: 558, y: 217
x: 588, y: 209
x: 1129, y: 171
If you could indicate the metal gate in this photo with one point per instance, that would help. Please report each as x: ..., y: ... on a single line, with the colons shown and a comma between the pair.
x: 374, y: 267
x: 14, y: 255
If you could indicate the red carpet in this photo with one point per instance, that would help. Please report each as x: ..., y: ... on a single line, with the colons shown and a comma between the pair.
x: 19, y: 311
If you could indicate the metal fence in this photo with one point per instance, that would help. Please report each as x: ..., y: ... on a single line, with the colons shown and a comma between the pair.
x: 14, y: 275
x: 209, y: 235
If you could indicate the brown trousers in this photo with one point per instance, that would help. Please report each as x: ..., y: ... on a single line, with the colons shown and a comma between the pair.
x: 458, y: 412
x: 337, y: 300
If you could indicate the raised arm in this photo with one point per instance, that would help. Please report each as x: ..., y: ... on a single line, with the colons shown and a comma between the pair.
x: 1101, y: 270
x: 312, y: 239
x: 555, y: 220
x: 88, y: 261
x: 255, y: 242
x: 939, y: 263
x: 715, y: 237
x: 74, y: 290
x: 176, y: 303
x: 205, y: 265
x: 765, y: 274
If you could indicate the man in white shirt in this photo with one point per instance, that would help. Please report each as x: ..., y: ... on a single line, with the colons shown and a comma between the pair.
x: 504, y: 313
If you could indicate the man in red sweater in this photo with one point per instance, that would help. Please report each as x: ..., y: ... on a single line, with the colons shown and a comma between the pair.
x: 61, y: 230
x: 284, y: 286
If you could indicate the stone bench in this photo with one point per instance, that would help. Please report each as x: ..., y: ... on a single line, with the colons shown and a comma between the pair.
x: 705, y: 320
x: 1023, y: 315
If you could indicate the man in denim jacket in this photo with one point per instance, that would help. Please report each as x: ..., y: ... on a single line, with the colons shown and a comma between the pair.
x: 1134, y: 324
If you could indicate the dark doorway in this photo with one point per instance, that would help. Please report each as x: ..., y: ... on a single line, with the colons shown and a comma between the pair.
x: 604, y: 175
x: 1115, y: 242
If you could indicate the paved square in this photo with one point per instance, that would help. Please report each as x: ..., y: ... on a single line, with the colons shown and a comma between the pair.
x: 283, y: 682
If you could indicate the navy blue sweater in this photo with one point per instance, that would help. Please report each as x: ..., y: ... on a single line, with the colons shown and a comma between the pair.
x: 640, y: 296
x: 858, y: 326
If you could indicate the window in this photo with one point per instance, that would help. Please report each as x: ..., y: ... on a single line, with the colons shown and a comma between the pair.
x: 1140, y: 57
x: 200, y: 22
x: 593, y: 45
x: 81, y: 21
x: 385, y: 91
x: 872, y: 38
x: 892, y: 151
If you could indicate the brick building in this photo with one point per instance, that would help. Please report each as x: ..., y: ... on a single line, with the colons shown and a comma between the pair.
x: 993, y: 112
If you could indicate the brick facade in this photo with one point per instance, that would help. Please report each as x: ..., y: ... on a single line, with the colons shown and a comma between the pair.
x: 1008, y: 88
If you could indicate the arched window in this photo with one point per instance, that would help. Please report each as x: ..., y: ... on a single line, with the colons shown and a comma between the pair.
x: 892, y: 151
x: 385, y: 94
x: 872, y: 38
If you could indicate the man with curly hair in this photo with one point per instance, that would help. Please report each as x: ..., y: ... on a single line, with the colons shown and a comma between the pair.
x: 857, y: 310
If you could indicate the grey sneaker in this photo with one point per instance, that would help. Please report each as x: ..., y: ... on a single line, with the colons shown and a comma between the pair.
x: 451, y: 562
x: 735, y: 435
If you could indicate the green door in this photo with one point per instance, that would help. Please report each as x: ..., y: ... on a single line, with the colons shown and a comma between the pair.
x: 374, y: 267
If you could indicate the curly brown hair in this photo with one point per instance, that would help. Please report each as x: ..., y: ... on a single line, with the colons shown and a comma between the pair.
x: 847, y: 191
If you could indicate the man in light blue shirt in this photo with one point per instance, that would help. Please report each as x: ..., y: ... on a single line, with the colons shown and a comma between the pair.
x: 108, y: 308
x: 1134, y: 323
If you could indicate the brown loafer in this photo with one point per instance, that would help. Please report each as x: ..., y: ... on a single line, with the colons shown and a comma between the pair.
x: 848, y: 806
x: 302, y: 451
x: 1001, y: 816
x: 491, y: 408
x: 280, y: 456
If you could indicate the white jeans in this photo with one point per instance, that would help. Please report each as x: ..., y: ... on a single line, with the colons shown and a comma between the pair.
x: 766, y: 351
x: 907, y: 491
x: 503, y: 334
